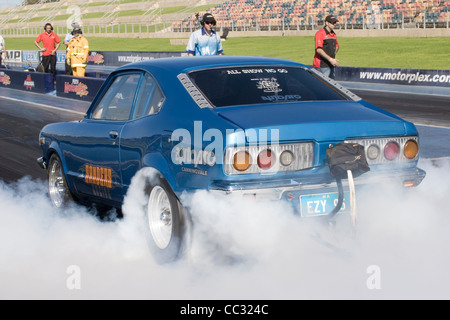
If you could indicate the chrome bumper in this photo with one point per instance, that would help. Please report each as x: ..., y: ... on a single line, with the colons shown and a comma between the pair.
x: 274, y: 189
x: 41, y: 163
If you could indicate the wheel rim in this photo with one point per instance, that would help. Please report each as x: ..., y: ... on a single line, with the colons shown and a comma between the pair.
x: 56, y: 186
x: 159, y: 214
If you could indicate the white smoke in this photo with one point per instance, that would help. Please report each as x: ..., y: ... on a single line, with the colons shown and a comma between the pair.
x: 241, y: 248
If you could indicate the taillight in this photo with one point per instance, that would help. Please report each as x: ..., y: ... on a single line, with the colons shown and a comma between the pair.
x: 373, y: 151
x: 242, y: 160
x: 411, y: 149
x: 286, y: 158
x: 266, y: 159
x: 391, y: 150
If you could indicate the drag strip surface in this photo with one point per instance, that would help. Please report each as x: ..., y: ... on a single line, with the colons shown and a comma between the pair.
x: 21, y: 121
x: 420, y: 109
x: 20, y: 124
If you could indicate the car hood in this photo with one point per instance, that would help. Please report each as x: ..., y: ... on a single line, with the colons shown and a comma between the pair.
x: 320, y: 121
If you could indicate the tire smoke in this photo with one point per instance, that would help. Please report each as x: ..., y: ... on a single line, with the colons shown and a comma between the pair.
x: 241, y: 248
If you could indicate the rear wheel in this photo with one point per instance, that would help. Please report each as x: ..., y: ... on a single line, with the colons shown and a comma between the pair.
x: 58, y: 189
x: 166, y: 222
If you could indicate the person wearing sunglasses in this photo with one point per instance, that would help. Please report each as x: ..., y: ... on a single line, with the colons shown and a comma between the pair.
x: 327, y: 47
x: 205, y: 41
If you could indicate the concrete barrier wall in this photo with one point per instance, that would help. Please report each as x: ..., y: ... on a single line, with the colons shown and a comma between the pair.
x: 101, y: 63
x: 119, y: 58
x: 409, y: 77
x: 392, y: 32
x: 78, y: 88
x: 28, y: 81
x: 397, y: 32
x: 102, y: 58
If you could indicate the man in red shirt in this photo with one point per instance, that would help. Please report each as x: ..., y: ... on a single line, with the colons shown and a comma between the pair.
x: 326, y: 48
x: 50, y: 42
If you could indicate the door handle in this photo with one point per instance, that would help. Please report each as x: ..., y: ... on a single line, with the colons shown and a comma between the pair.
x: 113, y: 134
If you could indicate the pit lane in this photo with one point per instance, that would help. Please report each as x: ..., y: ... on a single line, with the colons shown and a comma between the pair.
x: 23, y: 114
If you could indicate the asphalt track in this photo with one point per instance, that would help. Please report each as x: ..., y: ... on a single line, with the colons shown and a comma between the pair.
x: 23, y: 114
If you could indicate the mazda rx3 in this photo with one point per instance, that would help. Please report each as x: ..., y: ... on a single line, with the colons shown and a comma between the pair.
x: 252, y: 126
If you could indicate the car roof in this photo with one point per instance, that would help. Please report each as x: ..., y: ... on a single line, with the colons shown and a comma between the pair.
x: 186, y: 64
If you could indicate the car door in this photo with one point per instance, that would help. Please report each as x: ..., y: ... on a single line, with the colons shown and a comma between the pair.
x: 95, y: 158
x: 142, y: 134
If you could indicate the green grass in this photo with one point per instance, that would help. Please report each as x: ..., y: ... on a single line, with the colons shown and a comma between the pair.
x: 103, y: 44
x: 374, y: 52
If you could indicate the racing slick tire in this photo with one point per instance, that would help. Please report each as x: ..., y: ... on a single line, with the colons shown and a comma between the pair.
x: 167, y: 223
x: 58, y: 190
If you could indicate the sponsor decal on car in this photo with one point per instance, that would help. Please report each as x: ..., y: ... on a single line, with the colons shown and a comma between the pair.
x: 195, y: 171
x: 190, y: 149
x: 99, y: 176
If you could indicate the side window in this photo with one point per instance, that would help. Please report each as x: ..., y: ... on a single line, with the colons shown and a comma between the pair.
x: 149, y: 99
x: 116, y: 103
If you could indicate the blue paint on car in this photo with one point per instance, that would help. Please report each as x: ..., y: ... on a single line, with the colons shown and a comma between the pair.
x: 234, y: 102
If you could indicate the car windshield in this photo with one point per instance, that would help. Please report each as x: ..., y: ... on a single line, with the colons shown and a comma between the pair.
x: 233, y: 86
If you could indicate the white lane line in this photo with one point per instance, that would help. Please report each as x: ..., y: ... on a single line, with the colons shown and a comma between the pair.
x: 434, y: 159
x: 43, y: 105
x: 431, y: 126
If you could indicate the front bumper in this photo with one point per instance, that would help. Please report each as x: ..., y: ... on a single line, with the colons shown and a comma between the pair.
x: 277, y: 189
x: 41, y: 163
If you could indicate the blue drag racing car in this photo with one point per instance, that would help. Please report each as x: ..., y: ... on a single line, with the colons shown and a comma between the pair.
x: 256, y: 126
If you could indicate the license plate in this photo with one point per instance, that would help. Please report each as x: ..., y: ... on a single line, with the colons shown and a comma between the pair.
x: 322, y: 204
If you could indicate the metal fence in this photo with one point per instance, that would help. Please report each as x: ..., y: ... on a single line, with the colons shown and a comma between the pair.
x: 94, y: 29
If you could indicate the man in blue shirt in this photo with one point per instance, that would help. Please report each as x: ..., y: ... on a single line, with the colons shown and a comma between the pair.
x: 205, y: 42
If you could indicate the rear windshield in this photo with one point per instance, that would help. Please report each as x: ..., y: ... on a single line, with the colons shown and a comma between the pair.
x: 233, y: 86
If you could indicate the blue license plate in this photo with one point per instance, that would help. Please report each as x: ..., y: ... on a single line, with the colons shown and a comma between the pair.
x: 322, y: 204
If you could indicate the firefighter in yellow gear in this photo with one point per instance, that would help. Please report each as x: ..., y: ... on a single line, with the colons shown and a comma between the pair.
x: 77, y: 53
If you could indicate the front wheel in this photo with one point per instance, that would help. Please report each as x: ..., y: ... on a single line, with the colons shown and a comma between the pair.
x: 58, y: 189
x: 166, y: 222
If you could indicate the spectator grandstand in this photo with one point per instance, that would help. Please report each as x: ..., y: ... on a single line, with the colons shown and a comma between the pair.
x: 160, y: 18
x: 301, y: 14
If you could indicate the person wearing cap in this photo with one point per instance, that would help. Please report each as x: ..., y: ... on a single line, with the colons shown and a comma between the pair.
x: 326, y: 48
x: 66, y: 41
x: 205, y: 41
x: 77, y: 53
x: 50, y: 44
